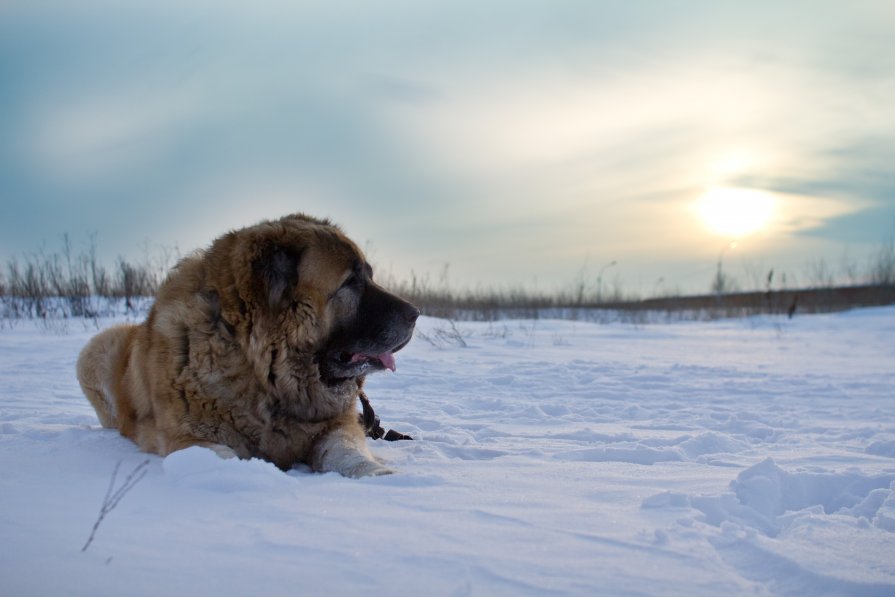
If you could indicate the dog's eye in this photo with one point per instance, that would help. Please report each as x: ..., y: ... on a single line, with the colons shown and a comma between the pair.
x: 351, y: 281
x: 355, y: 278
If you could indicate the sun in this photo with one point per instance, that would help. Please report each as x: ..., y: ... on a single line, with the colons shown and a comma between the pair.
x: 735, y: 212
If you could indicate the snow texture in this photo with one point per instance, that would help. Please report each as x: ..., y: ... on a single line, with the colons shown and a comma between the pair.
x: 752, y: 456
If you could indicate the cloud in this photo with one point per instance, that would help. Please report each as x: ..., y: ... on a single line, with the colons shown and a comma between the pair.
x: 102, y: 136
x: 496, y: 136
x: 801, y: 213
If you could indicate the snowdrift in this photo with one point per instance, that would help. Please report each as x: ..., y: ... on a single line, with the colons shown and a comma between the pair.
x: 551, y: 457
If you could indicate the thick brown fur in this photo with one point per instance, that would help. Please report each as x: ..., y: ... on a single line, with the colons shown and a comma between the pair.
x: 257, y: 347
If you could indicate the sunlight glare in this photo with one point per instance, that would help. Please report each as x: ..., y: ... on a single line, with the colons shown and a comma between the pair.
x: 732, y: 163
x: 735, y: 212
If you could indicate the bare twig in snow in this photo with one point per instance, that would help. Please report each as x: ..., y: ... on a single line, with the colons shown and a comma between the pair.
x: 443, y: 337
x: 113, y: 496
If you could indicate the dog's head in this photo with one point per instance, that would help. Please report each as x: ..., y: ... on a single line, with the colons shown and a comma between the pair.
x: 303, y: 298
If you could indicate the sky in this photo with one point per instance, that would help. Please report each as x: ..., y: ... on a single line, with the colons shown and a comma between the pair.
x: 494, y: 144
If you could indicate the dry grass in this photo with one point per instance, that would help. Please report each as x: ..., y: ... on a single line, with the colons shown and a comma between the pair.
x: 65, y: 285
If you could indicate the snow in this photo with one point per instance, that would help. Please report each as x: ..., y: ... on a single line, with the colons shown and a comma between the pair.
x: 750, y: 456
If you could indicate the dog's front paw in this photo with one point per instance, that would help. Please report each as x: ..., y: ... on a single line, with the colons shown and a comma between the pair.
x: 344, y: 451
x: 366, y: 468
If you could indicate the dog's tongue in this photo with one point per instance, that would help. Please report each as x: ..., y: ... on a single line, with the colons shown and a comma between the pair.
x: 387, y: 359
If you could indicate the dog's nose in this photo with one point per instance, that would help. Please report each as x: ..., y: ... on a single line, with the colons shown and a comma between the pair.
x: 411, y: 313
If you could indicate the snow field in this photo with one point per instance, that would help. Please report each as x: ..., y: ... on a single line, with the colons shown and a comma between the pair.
x: 550, y: 457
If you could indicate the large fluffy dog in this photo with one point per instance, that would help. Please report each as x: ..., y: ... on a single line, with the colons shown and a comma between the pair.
x: 257, y: 347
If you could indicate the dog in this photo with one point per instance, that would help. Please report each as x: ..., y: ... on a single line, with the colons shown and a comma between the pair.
x: 256, y: 348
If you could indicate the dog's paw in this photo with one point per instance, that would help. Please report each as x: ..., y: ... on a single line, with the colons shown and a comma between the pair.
x: 367, y: 468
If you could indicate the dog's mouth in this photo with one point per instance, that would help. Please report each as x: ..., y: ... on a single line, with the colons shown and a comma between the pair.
x: 385, y: 360
x: 341, y: 364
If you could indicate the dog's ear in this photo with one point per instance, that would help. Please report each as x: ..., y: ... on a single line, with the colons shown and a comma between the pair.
x: 276, y: 270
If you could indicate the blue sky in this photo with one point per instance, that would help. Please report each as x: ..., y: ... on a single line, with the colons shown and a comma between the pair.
x: 522, y: 143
